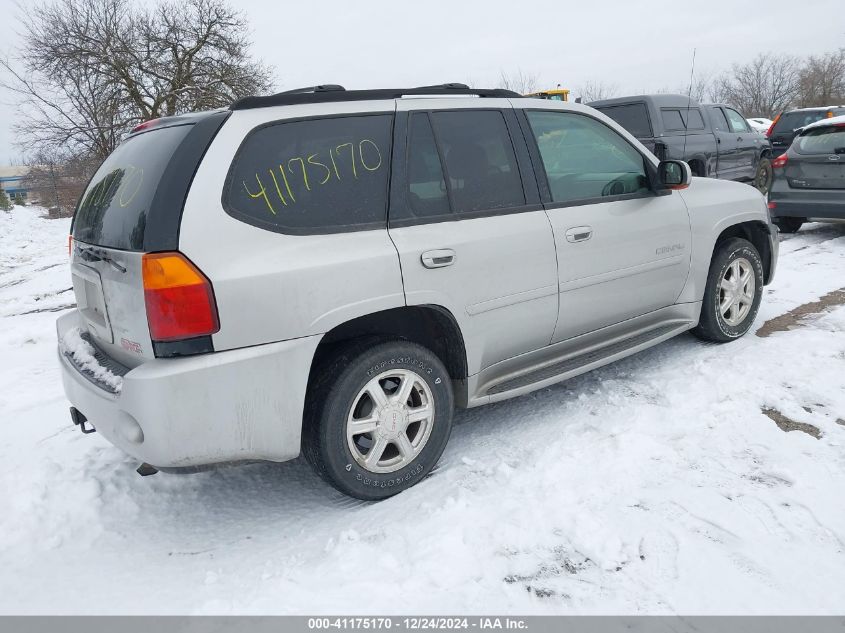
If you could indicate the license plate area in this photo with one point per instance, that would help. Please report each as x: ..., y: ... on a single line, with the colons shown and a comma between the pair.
x: 88, y: 288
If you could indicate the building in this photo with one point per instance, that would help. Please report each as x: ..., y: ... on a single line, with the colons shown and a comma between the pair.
x: 12, y: 182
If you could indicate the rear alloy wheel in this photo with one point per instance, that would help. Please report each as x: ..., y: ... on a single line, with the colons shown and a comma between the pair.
x: 763, y: 178
x: 788, y: 225
x: 733, y: 292
x: 378, y: 417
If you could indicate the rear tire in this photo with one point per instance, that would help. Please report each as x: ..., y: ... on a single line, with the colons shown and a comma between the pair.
x: 733, y: 292
x: 788, y: 225
x: 763, y: 177
x: 366, y: 436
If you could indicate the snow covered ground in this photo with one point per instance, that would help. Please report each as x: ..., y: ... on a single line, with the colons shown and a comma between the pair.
x: 655, y: 485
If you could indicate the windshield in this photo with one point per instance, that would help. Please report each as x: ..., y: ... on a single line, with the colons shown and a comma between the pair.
x: 113, y: 210
x: 822, y: 140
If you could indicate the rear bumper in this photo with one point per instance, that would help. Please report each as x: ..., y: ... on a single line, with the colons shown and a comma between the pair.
x: 237, y: 405
x: 806, y: 203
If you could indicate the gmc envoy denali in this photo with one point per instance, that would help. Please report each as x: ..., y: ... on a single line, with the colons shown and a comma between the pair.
x: 332, y: 272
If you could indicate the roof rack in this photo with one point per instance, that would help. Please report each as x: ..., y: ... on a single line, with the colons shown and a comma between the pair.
x: 333, y: 92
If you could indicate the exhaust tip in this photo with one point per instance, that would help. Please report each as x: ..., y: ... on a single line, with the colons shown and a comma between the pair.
x: 145, y: 470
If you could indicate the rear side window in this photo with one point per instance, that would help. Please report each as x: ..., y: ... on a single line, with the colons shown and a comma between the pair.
x: 480, y: 161
x: 114, y: 208
x: 682, y: 119
x: 313, y: 176
x: 822, y: 140
x: 672, y: 119
x: 632, y: 116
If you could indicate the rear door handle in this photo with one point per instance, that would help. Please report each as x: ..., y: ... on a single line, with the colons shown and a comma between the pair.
x: 579, y: 233
x: 438, y: 258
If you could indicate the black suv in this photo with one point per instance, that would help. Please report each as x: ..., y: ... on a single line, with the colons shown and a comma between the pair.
x: 787, y: 123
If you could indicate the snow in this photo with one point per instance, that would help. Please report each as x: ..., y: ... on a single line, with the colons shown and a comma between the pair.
x: 836, y: 120
x: 654, y: 485
x: 82, y: 353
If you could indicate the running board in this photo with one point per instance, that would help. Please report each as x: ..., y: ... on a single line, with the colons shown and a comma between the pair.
x: 549, y: 374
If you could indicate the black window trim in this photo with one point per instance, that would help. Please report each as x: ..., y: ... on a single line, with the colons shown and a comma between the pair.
x: 399, y: 193
x: 328, y: 230
x: 542, y: 178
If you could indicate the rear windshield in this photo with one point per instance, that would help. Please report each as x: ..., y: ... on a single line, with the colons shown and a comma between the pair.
x: 632, y: 116
x: 822, y: 140
x: 113, y: 210
x: 793, y: 120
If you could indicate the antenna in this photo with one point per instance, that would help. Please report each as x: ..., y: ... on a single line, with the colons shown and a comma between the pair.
x: 689, y: 102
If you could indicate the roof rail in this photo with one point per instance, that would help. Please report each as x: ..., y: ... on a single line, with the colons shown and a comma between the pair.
x: 331, y: 92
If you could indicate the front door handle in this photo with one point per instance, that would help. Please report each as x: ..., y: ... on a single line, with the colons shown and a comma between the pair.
x: 439, y: 258
x: 579, y: 233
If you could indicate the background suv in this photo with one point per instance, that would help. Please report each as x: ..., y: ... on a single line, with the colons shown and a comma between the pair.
x: 333, y: 271
x: 786, y: 124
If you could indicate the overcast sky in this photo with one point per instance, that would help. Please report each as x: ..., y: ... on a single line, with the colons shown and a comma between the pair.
x: 638, y: 45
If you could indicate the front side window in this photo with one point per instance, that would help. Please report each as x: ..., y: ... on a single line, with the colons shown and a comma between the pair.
x: 480, y: 161
x: 316, y: 175
x: 584, y: 159
x: 720, y: 123
x: 738, y: 124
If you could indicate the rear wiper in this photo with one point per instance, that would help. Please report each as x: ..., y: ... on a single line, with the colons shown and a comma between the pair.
x: 91, y: 255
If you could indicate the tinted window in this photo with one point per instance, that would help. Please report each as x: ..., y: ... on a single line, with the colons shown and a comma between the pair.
x: 692, y: 118
x: 738, y: 124
x: 720, y: 123
x: 113, y: 210
x: 790, y: 121
x: 586, y: 159
x: 822, y: 140
x: 318, y: 175
x: 633, y: 117
x: 480, y: 160
x: 426, y: 185
x: 672, y: 119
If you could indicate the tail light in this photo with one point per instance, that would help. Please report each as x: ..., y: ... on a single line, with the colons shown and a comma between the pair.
x: 143, y: 126
x: 772, y: 205
x: 780, y: 162
x: 772, y: 127
x: 179, y: 298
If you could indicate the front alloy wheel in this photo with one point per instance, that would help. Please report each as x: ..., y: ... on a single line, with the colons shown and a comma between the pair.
x: 736, y: 291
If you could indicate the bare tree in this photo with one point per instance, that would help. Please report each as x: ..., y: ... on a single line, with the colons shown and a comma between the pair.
x: 822, y: 80
x: 762, y: 87
x: 90, y: 69
x: 519, y: 81
x: 596, y: 91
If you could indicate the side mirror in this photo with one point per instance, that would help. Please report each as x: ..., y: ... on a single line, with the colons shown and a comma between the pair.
x: 674, y: 174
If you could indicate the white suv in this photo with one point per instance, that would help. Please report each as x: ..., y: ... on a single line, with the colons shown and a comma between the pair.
x: 332, y: 271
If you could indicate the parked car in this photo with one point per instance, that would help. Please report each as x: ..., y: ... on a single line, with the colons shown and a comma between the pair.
x: 786, y: 125
x: 760, y: 124
x: 333, y: 271
x: 714, y: 139
x: 810, y: 176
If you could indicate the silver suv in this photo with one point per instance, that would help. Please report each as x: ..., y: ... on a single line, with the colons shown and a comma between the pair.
x: 332, y: 272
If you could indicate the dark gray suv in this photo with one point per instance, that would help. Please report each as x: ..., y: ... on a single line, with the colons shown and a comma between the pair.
x: 809, y: 179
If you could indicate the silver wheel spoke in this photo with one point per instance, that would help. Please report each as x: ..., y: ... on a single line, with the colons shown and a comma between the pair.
x: 726, y: 285
x: 404, y: 391
x: 376, y: 392
x: 725, y: 305
x: 406, y: 449
x: 375, y: 453
x: 744, y: 279
x: 419, y: 414
x: 735, y: 273
x: 363, y: 425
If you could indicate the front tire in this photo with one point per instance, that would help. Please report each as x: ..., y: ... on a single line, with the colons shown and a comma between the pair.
x: 378, y: 417
x: 733, y: 292
x: 788, y: 225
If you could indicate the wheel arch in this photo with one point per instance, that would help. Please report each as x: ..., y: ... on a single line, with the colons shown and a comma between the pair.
x: 432, y: 326
x: 756, y: 232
